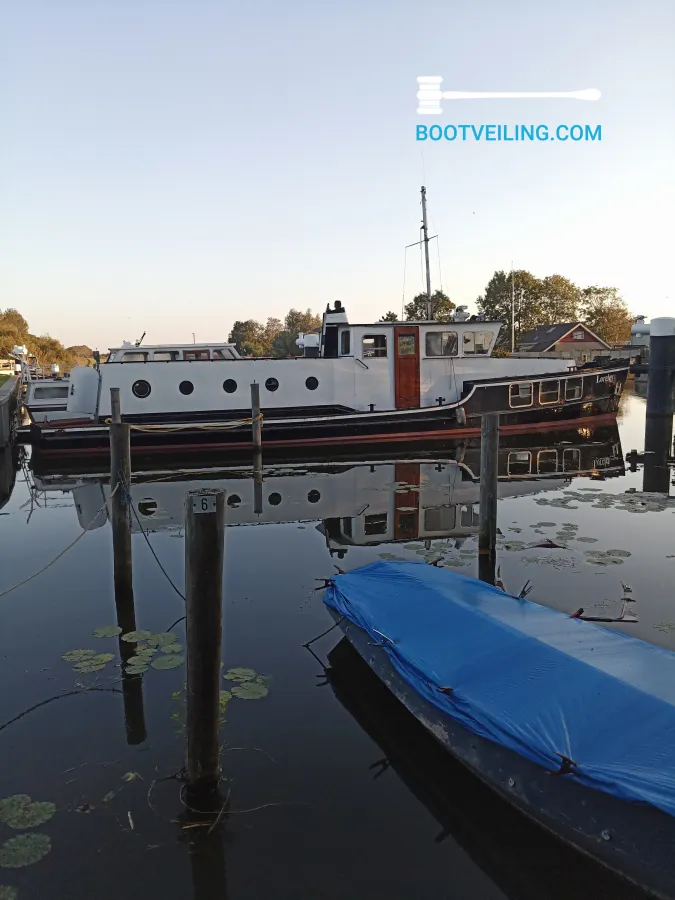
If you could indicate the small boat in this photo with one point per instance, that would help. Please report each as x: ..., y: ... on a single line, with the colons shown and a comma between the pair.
x: 360, y: 384
x: 570, y: 722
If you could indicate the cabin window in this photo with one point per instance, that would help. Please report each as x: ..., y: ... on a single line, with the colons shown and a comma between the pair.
x: 547, y: 462
x: 230, y: 386
x: 233, y: 500
x: 49, y: 393
x: 549, y: 392
x: 406, y: 345
x: 520, y: 394
x: 135, y: 357
x: 439, y: 518
x: 441, y: 343
x: 226, y: 353
x: 311, y: 383
x: 274, y: 499
x: 186, y: 387
x: 571, y: 460
x: 314, y: 496
x: 476, y: 342
x: 376, y: 524
x: 345, y: 343
x: 147, y: 506
x: 141, y: 389
x: 165, y: 355
x: 574, y: 388
x: 272, y: 384
x: 374, y: 345
x: 519, y: 462
x: 192, y: 355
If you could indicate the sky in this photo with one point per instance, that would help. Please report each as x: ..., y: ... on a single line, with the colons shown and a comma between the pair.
x: 169, y: 166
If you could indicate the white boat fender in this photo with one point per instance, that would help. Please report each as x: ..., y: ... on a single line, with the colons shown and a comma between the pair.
x: 461, y: 415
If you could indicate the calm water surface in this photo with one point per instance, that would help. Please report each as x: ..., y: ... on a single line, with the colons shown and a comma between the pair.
x: 332, y: 791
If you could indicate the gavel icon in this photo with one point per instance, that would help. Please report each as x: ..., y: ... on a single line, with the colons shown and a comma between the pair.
x: 429, y: 95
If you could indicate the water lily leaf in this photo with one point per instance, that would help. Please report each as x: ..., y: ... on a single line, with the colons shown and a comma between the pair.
x: 8, y: 893
x: 623, y: 553
x: 170, y: 648
x: 78, y: 655
x: 107, y: 631
x: 410, y: 546
x: 20, y: 812
x: 240, y: 674
x: 587, y: 540
x: 167, y: 662
x: 250, y: 690
x: 108, y: 796
x: 24, y: 850
x: 130, y: 776
x: 87, y: 667
x: 136, y: 669
x: 225, y: 697
x: 134, y: 636
x: 594, y: 553
x: 161, y: 638
x: 546, y: 524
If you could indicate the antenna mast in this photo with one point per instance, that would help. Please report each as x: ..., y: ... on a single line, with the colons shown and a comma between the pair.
x: 426, y: 250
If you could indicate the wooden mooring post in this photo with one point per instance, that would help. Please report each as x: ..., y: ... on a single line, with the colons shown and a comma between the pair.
x: 204, y: 554
x: 258, y: 479
x: 487, y: 529
x: 660, y: 405
x: 120, y: 485
x: 255, y: 415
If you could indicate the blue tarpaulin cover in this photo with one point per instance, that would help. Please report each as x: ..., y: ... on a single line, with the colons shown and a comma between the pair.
x: 524, y: 676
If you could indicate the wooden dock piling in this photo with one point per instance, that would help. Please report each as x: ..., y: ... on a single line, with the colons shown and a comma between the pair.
x: 258, y: 479
x: 659, y: 419
x: 487, y: 529
x: 204, y: 554
x: 255, y: 415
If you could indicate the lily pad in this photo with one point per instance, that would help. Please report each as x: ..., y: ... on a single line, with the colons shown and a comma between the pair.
x: 546, y: 524
x: 240, y: 674
x: 168, y: 662
x: 225, y: 696
x: 137, y: 669
x: 94, y: 663
x: 587, y: 540
x: 621, y: 553
x: 20, y: 812
x: 8, y: 893
x: 107, y: 631
x: 24, y: 850
x: 78, y: 655
x: 161, y: 639
x: 170, y: 648
x: 135, y: 636
x: 250, y: 690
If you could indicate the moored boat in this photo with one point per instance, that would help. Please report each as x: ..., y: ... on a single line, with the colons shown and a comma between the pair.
x: 571, y: 723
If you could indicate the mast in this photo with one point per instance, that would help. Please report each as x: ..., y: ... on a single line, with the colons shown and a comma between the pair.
x: 513, y: 313
x: 426, y: 250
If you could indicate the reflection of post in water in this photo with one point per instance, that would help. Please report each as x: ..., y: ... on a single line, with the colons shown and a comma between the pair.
x: 204, y: 549
x: 487, y: 529
x: 659, y: 422
x: 206, y: 846
x: 257, y: 482
x: 120, y: 480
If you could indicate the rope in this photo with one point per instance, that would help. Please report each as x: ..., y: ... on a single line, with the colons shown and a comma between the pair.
x: 168, y: 429
x: 44, y: 568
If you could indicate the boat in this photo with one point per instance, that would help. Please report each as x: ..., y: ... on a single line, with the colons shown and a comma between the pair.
x: 484, y: 831
x: 571, y: 723
x: 355, y: 383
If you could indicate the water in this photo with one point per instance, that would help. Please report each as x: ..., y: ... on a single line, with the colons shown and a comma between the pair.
x: 312, y: 809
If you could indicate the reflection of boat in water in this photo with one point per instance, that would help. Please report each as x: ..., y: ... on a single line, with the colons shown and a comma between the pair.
x: 361, y: 502
x: 523, y: 860
x: 9, y: 466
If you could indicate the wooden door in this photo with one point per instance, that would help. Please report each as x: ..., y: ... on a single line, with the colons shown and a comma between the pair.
x: 407, y: 366
x: 407, y: 504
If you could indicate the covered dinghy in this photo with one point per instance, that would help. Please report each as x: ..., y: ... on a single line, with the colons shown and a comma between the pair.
x: 593, y: 705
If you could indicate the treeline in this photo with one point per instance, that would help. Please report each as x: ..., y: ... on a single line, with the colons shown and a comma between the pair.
x: 537, y: 301
x: 14, y: 331
x: 274, y: 338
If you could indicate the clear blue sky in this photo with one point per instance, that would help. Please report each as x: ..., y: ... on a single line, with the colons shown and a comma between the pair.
x: 172, y: 166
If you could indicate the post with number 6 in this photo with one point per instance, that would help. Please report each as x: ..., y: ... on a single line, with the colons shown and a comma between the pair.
x: 204, y: 555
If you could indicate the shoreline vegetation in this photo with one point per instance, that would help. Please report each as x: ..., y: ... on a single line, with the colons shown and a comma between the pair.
x: 14, y: 331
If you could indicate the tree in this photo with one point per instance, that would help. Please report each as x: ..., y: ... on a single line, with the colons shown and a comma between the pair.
x: 560, y: 300
x: 606, y: 314
x: 11, y: 319
x: 251, y: 338
x: 295, y: 323
x: 247, y: 337
x: 525, y: 290
x: 441, y: 307
x: 389, y: 317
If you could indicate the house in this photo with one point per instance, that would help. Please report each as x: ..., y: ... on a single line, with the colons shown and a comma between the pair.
x: 573, y: 338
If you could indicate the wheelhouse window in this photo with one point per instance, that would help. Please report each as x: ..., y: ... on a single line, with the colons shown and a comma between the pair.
x: 374, y: 345
x: 165, y: 355
x: 406, y: 345
x: 441, y: 343
x: 135, y: 357
x: 519, y: 462
x: 224, y: 353
x: 520, y: 394
x: 571, y: 461
x: 345, y: 342
x: 195, y: 354
x: 439, y: 518
x: 549, y: 392
x: 547, y: 462
x: 476, y: 343
x: 375, y: 524
x: 574, y: 388
x: 50, y: 393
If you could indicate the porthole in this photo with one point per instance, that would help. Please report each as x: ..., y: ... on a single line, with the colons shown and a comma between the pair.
x: 312, y: 383
x: 230, y: 386
x: 233, y: 500
x: 147, y: 507
x: 272, y: 384
x: 141, y: 389
x: 186, y: 387
x: 314, y: 496
x: 274, y: 499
